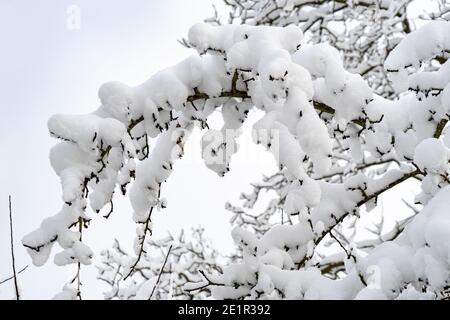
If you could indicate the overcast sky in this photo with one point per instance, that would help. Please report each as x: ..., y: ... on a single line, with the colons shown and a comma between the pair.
x: 47, y: 68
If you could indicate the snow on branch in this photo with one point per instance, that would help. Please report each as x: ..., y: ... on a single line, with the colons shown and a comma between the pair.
x: 176, y: 271
x: 319, y: 121
x: 363, y: 31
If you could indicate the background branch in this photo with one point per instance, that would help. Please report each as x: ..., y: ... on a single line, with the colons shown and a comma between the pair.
x: 13, y: 259
x: 160, y: 273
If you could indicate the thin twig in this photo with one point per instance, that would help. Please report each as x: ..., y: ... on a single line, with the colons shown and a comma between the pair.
x: 160, y: 272
x: 78, y: 274
x: 80, y: 229
x: 12, y: 251
x: 12, y: 277
x: 348, y: 254
x: 142, y: 243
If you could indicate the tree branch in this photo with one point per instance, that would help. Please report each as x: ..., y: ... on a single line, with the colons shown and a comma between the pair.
x: 439, y: 128
x: 235, y: 93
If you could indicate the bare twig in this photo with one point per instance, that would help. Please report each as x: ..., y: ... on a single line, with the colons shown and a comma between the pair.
x: 160, y: 272
x: 347, y: 253
x: 12, y: 251
x: 12, y: 277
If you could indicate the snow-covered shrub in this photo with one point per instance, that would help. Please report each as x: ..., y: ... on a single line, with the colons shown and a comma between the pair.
x: 182, y: 257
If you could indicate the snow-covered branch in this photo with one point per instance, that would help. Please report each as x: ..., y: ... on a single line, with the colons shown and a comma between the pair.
x: 168, y: 268
x: 325, y: 127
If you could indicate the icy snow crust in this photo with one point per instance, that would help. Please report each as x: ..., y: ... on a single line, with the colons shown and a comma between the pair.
x: 242, y: 67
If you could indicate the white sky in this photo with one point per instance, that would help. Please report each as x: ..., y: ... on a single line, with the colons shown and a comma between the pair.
x: 45, y: 69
